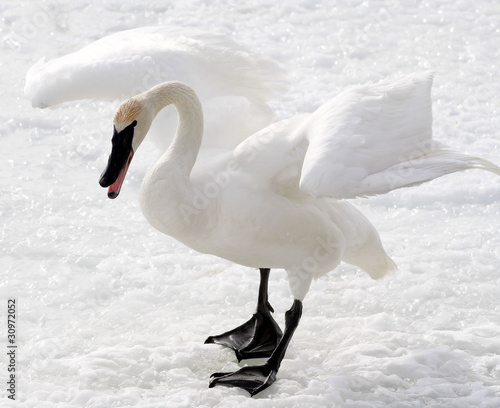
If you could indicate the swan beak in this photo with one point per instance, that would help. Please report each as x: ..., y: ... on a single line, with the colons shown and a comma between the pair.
x: 119, y: 161
x: 115, y: 186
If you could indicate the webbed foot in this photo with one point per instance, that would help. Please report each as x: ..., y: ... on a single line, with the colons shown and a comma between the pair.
x: 257, y: 378
x: 252, y: 379
x: 257, y: 338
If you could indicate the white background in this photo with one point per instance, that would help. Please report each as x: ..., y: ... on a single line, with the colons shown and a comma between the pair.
x: 113, y: 314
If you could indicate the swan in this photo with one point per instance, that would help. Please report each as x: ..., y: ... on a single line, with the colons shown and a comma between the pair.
x: 233, y: 83
x: 277, y: 200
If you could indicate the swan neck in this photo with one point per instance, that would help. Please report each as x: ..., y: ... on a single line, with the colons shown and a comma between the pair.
x: 187, y: 141
x: 167, y: 187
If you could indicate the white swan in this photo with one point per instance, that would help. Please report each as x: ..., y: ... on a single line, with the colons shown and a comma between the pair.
x: 233, y: 84
x: 275, y: 200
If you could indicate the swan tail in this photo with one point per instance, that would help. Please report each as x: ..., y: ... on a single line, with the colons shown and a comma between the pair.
x: 384, y: 269
x: 373, y: 260
x: 366, y: 251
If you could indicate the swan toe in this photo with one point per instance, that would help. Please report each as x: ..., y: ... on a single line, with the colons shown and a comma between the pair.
x: 252, y: 379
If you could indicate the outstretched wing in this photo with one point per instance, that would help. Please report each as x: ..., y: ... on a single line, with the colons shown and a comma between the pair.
x: 128, y: 62
x: 368, y: 140
x: 375, y: 138
x: 233, y: 84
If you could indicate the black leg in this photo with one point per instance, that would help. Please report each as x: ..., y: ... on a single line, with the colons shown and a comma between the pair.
x: 259, y: 336
x: 258, y: 378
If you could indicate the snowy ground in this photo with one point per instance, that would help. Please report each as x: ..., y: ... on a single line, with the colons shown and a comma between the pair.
x: 112, y: 314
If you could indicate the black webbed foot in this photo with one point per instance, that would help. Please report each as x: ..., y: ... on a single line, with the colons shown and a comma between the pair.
x: 252, y: 379
x: 257, y: 338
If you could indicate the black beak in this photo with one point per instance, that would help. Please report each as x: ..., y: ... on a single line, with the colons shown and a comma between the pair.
x: 119, y: 160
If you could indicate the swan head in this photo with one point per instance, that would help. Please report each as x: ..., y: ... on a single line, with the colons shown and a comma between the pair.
x: 131, y: 124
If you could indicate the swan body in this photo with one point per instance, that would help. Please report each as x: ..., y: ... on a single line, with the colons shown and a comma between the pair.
x: 277, y: 199
x: 277, y: 196
x: 233, y: 84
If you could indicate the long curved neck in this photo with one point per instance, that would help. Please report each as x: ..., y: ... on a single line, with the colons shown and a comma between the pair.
x: 166, y: 190
x: 186, y: 144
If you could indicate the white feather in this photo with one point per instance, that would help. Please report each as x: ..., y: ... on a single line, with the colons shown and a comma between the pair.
x: 233, y: 84
x: 368, y: 140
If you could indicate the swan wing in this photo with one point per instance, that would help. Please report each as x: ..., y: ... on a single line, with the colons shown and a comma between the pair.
x: 272, y: 158
x: 375, y: 138
x: 126, y: 63
x: 368, y: 140
x: 233, y: 84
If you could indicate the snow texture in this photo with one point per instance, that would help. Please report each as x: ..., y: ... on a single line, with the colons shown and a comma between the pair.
x: 113, y: 314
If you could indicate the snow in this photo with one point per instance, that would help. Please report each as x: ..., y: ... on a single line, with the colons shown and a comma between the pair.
x: 111, y: 313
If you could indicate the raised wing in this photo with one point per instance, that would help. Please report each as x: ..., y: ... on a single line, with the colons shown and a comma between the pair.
x: 375, y: 138
x: 233, y: 84
x: 129, y: 62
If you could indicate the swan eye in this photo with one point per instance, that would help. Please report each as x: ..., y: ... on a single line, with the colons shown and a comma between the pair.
x: 133, y: 124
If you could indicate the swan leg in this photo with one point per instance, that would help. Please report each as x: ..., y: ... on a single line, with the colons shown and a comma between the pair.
x: 258, y: 378
x: 259, y: 336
